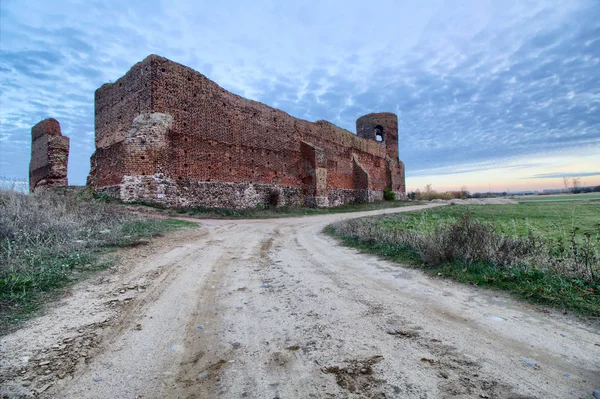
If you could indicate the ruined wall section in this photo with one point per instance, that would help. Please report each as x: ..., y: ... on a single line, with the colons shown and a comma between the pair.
x: 219, y: 136
x: 118, y: 104
x: 131, y: 140
x: 49, y: 156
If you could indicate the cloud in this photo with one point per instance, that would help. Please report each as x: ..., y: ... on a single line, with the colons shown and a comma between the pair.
x: 560, y: 175
x: 473, y: 83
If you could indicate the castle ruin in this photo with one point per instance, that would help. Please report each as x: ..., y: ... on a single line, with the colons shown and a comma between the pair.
x: 166, y: 134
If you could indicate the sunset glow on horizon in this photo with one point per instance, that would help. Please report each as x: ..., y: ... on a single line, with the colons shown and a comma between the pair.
x: 519, y: 174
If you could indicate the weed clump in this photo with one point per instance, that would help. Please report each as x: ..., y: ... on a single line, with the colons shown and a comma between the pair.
x: 47, y: 239
x: 388, y: 194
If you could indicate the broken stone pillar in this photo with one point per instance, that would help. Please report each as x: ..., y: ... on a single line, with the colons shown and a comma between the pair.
x: 49, y: 156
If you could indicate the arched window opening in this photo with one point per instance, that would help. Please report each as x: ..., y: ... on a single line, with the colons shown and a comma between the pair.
x: 379, y: 133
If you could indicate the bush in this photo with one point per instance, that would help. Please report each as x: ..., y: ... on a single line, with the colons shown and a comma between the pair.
x: 430, y: 194
x: 469, y: 240
x: 472, y: 241
x: 388, y: 194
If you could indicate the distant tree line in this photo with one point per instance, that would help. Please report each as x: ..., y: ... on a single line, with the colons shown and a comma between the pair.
x: 589, y: 189
x: 429, y: 194
x: 572, y: 185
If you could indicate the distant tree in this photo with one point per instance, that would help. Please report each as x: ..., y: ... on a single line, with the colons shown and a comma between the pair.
x: 428, y: 193
x: 464, y: 192
x: 575, y: 185
x: 566, y: 183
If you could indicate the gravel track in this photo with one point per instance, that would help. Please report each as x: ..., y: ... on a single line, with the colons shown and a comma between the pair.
x: 276, y: 309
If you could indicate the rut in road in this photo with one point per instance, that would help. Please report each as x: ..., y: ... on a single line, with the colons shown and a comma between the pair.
x: 274, y: 308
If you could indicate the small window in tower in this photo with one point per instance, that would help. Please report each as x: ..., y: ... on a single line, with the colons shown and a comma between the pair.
x: 379, y: 133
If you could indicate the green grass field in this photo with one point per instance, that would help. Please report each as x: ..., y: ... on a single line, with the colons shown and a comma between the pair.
x: 545, y: 252
x: 553, y: 220
x: 566, y: 197
x: 276, y: 212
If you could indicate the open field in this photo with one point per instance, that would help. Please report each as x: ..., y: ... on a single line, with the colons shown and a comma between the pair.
x: 47, y: 241
x: 546, y: 252
x: 560, y: 197
x: 548, y: 220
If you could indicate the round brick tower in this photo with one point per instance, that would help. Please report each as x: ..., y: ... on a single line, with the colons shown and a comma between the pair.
x: 382, y: 127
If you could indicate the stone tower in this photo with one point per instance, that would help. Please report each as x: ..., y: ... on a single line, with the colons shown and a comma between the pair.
x: 49, y: 156
x: 383, y: 128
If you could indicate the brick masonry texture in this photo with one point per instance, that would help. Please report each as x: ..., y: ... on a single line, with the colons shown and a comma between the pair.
x: 49, y: 156
x: 166, y: 133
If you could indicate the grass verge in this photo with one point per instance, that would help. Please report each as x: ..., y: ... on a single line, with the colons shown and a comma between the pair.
x: 546, y: 253
x: 268, y: 212
x: 50, y: 240
x: 570, y: 197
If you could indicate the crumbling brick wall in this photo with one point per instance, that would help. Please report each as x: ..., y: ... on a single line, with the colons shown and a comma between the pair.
x: 166, y: 133
x: 49, y: 156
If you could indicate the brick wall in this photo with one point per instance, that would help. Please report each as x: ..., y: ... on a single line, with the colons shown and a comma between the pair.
x: 165, y: 119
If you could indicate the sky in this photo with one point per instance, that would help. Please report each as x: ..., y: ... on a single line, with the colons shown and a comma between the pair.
x: 490, y: 94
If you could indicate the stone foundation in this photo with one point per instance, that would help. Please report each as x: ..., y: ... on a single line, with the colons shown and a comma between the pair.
x: 185, y: 193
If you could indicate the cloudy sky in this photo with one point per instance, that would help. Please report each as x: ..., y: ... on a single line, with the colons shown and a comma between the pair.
x: 500, y: 94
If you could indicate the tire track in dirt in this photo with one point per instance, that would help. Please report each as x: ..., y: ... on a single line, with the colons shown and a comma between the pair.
x: 236, y: 360
x: 200, y: 371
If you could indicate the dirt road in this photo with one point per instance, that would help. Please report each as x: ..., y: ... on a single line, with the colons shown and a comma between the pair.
x: 275, y: 309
